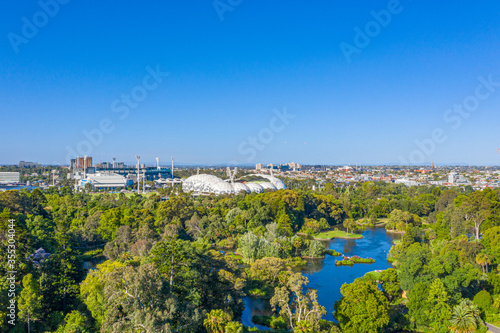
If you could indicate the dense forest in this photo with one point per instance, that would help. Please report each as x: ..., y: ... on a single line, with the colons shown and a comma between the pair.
x: 150, y: 263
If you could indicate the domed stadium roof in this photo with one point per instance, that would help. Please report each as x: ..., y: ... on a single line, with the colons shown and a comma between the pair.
x: 238, y: 187
x: 267, y: 186
x: 212, y: 184
x: 254, y: 187
x: 278, y: 183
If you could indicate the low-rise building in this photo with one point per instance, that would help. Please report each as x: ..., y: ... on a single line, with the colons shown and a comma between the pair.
x: 108, y: 181
x: 10, y: 177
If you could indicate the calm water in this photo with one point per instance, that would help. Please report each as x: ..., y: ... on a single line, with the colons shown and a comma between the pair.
x: 327, y: 278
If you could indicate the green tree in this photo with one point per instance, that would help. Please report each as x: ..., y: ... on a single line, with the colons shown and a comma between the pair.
x: 267, y: 269
x: 465, y: 317
x: 349, y: 224
x: 417, y: 304
x: 74, y: 322
x: 297, y: 243
x: 294, y: 305
x: 491, y: 241
x: 234, y: 327
x: 92, y: 289
x: 483, y: 259
x: 483, y: 300
x: 437, y: 309
x: 216, y: 321
x: 476, y: 208
x: 362, y: 308
x: 30, y: 301
x: 390, y: 283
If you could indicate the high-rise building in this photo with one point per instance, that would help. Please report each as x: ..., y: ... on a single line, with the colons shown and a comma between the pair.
x: 452, y: 177
x: 295, y: 166
x: 259, y: 166
x: 81, y: 162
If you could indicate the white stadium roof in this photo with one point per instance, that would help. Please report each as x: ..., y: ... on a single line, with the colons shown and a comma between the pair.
x: 212, y: 184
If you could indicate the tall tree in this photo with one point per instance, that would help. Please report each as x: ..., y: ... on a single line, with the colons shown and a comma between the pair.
x: 437, y: 309
x: 476, y: 208
x: 295, y: 306
x: 362, y: 308
x: 30, y: 301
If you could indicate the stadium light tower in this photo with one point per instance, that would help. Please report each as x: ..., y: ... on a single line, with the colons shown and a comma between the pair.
x: 114, y: 161
x: 138, y: 173
x: 54, y: 177
x: 158, y: 163
x: 85, y: 167
x: 172, y: 171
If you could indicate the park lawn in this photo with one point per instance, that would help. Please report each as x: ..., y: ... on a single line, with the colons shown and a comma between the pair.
x: 374, y: 276
x: 383, y: 220
x: 336, y: 234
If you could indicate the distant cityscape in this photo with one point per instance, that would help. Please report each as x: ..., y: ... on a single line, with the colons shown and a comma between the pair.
x: 118, y: 176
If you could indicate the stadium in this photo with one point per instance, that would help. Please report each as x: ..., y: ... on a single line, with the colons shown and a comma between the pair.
x: 207, y: 184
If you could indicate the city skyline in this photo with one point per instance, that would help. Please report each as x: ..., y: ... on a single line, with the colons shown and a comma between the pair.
x: 390, y: 82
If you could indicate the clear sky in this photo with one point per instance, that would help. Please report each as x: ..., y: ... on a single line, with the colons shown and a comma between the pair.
x: 250, y: 81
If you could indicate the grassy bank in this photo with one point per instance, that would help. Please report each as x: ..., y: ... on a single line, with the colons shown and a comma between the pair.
x: 327, y: 235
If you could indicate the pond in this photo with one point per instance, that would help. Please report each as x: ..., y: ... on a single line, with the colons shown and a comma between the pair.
x: 327, y: 278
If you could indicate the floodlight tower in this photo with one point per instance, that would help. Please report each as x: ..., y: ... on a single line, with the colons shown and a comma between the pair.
x: 158, y: 163
x: 85, y: 167
x: 114, y: 162
x: 233, y: 174
x: 172, y: 171
x: 138, y: 172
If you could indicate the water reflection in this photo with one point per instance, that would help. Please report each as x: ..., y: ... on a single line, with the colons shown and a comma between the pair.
x: 255, y: 307
x: 313, y: 266
x: 349, y: 245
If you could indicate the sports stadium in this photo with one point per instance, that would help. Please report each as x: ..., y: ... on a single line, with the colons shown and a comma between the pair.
x: 207, y: 184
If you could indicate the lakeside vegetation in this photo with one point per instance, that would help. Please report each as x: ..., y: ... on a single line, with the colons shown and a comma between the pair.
x: 157, y: 266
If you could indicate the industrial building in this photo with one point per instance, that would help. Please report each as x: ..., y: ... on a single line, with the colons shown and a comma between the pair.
x: 10, y: 177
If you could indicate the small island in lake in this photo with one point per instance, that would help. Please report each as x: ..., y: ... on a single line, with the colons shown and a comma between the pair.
x: 350, y: 261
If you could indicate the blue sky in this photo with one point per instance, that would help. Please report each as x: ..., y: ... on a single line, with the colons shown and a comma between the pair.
x: 228, y: 78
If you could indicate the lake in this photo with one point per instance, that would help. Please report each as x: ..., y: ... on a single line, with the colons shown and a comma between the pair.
x: 327, y: 278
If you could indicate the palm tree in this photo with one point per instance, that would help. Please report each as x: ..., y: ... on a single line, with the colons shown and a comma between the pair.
x: 483, y: 259
x: 216, y: 321
x: 465, y: 317
x: 303, y: 327
x: 488, y: 261
x: 349, y: 224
